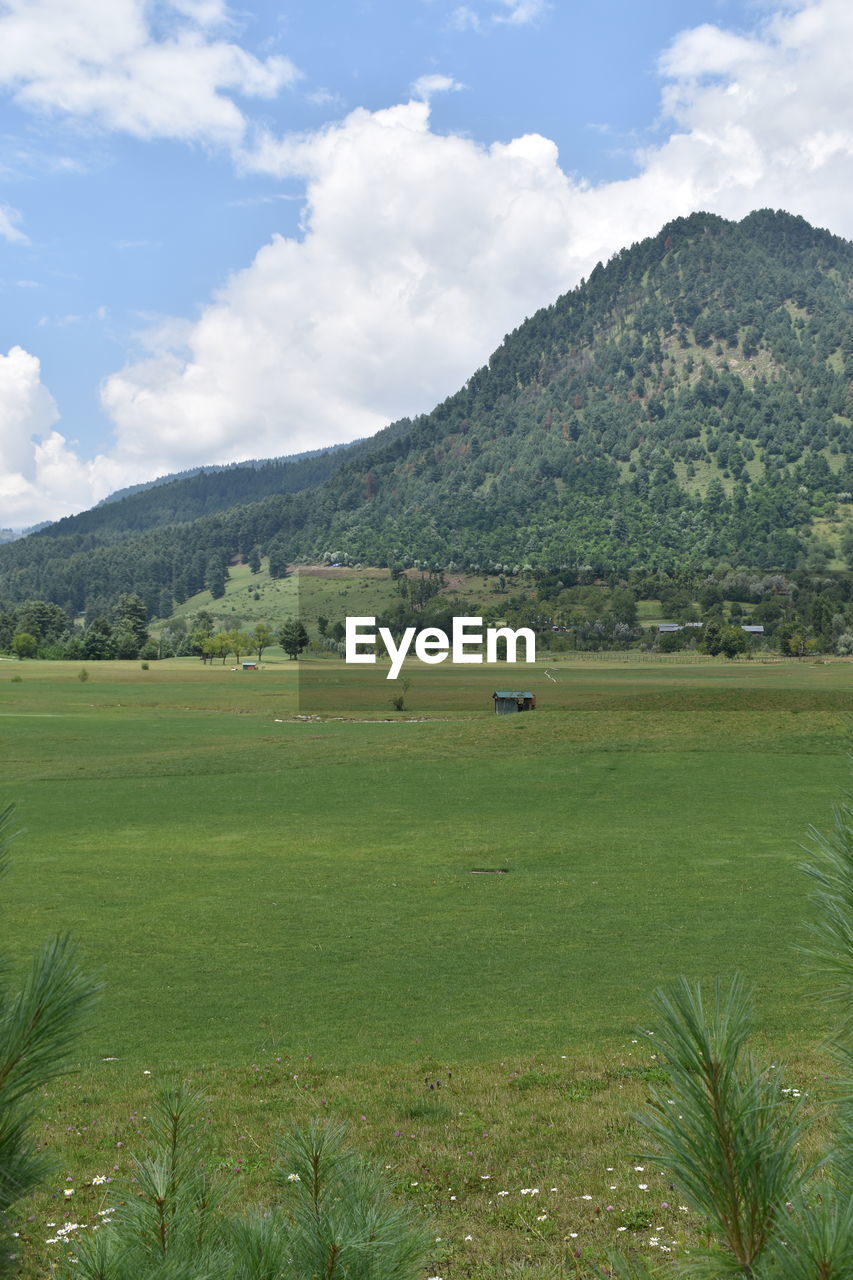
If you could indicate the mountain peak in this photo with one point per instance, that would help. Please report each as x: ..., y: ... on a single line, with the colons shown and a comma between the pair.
x: 689, y: 403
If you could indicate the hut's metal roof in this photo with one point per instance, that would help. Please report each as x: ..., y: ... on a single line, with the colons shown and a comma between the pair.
x: 510, y: 693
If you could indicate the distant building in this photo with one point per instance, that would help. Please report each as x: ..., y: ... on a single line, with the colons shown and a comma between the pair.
x: 753, y: 631
x: 507, y: 702
x: 665, y: 628
x: 249, y: 666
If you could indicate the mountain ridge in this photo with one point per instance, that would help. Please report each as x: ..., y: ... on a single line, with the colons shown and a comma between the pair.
x: 210, y: 468
x: 690, y: 402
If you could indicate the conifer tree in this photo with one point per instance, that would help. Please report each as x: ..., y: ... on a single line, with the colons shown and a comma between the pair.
x: 38, y: 1024
x: 727, y: 1135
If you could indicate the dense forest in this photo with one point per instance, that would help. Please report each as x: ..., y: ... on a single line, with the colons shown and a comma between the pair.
x: 289, y: 482
x: 688, y: 405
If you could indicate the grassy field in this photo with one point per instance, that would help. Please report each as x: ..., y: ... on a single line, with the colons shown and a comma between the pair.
x: 530, y: 1166
x: 339, y: 913
x: 250, y: 881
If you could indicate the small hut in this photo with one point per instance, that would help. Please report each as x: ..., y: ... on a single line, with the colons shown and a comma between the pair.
x: 507, y: 702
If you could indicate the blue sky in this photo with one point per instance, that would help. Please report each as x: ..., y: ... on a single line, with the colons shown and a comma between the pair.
x: 242, y: 231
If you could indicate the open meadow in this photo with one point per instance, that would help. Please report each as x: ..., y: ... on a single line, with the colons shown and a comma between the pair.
x: 442, y: 924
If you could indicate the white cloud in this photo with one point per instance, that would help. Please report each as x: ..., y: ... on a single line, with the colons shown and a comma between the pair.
x: 102, y: 61
x: 465, y: 19
x: 425, y: 86
x: 206, y: 13
x: 515, y: 13
x: 520, y: 12
x: 419, y: 251
x: 41, y: 476
x: 323, y: 97
x: 25, y: 407
x: 764, y: 120
x: 9, y: 218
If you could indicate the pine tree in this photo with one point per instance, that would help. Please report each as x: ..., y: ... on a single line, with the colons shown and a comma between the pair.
x: 727, y: 1135
x: 278, y: 558
x: 293, y: 637
x: 38, y: 1024
x: 216, y: 576
x: 336, y: 1220
x: 130, y: 614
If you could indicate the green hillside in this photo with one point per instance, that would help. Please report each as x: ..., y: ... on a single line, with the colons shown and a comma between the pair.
x: 688, y: 404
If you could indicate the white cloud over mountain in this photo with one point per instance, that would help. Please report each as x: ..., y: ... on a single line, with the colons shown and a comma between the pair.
x: 26, y: 407
x: 41, y: 477
x: 420, y: 250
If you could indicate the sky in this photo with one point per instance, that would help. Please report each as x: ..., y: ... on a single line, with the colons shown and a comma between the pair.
x: 244, y: 230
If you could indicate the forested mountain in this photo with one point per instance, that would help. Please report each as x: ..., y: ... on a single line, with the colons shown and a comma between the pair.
x: 191, y: 494
x: 254, y: 464
x: 689, y: 403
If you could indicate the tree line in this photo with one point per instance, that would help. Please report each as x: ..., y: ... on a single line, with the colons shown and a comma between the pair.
x: 41, y: 629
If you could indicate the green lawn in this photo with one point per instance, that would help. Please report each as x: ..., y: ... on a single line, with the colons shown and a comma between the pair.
x: 249, y: 883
